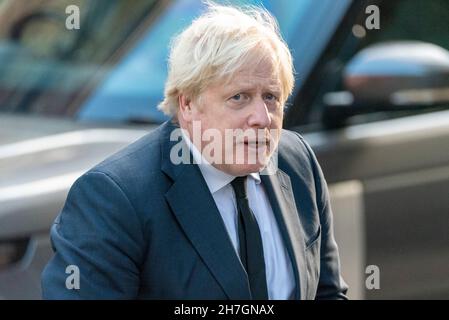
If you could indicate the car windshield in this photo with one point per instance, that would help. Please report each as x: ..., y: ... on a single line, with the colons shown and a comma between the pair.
x: 113, y: 67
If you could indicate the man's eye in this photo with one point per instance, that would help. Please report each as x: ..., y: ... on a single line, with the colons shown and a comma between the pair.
x: 237, y: 97
x: 270, y: 97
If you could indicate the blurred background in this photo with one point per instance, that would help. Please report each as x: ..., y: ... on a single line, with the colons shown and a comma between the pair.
x: 371, y: 97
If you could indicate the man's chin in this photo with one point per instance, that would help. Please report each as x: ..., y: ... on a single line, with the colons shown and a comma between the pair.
x: 241, y: 169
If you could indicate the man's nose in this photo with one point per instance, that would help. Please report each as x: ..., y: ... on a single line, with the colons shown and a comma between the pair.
x: 260, y: 117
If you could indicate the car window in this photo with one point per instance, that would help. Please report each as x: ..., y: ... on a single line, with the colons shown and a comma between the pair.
x: 418, y: 20
x: 114, y: 67
x: 45, y: 66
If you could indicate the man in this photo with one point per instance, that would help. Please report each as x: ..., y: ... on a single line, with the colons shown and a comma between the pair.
x: 245, y: 215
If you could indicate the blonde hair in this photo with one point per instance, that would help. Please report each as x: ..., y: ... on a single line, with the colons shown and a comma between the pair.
x: 216, y: 45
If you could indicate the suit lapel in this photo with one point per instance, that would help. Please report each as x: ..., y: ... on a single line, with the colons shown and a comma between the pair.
x: 279, y: 191
x: 196, y: 212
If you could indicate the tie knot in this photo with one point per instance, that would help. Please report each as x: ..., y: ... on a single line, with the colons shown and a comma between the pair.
x: 239, y: 186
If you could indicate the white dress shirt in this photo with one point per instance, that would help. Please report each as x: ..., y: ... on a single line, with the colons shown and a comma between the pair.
x: 279, y: 271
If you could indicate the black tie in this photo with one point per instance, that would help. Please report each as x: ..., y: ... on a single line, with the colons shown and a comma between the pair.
x: 251, y: 249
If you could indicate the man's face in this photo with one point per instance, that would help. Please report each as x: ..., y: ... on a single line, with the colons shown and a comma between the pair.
x: 250, y: 101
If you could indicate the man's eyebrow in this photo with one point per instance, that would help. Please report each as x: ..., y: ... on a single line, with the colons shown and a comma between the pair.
x: 246, y: 87
x: 275, y: 88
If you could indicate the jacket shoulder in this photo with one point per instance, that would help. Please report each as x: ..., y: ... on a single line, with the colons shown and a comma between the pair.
x: 136, y: 167
x: 294, y: 151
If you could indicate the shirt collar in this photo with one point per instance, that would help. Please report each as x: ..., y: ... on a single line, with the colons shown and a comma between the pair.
x: 215, y: 178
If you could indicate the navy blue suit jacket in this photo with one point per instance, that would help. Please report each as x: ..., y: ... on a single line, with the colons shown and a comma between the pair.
x: 138, y: 226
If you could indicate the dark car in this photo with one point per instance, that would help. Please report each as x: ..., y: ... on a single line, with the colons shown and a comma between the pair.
x: 371, y: 98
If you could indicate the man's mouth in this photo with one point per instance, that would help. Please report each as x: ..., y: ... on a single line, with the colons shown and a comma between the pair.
x: 257, y: 143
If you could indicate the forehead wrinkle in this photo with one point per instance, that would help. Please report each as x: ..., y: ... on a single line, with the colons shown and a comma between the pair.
x: 251, y: 79
x: 254, y: 85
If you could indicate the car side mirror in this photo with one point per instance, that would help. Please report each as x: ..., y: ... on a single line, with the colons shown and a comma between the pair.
x: 400, y: 75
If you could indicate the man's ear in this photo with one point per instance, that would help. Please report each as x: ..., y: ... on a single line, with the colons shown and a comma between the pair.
x: 185, y: 107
